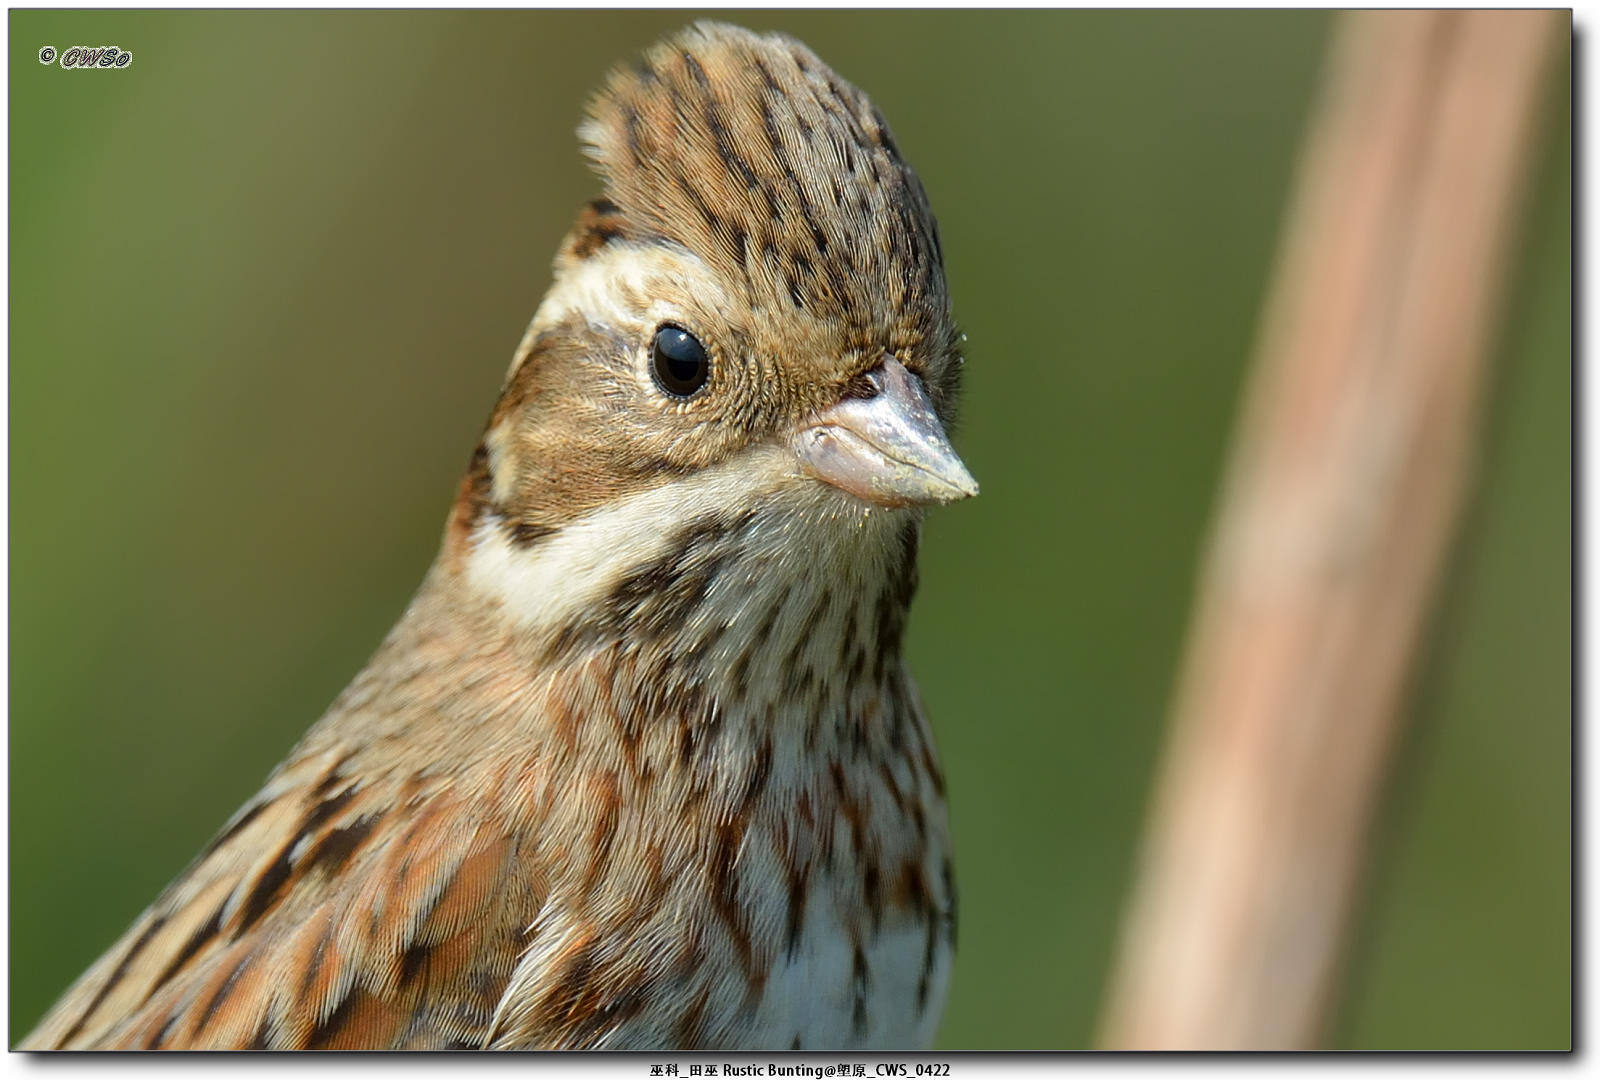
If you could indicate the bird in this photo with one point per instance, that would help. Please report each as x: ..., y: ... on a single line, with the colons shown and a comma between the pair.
x: 641, y: 765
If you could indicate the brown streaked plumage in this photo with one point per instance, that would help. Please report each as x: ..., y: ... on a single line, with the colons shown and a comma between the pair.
x: 641, y: 765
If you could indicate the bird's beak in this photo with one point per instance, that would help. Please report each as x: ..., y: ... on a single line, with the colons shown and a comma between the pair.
x: 888, y: 448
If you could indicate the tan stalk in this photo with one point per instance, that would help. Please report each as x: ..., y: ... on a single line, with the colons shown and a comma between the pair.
x: 1348, y: 470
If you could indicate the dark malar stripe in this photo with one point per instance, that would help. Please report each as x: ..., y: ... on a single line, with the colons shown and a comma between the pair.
x: 658, y: 597
x: 654, y: 600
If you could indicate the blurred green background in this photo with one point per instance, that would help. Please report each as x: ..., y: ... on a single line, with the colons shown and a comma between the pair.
x: 264, y: 284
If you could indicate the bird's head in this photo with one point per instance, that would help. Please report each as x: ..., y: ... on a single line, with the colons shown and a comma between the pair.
x: 752, y: 317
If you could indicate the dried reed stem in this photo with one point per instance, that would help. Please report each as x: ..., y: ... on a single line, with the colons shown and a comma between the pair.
x: 1348, y: 468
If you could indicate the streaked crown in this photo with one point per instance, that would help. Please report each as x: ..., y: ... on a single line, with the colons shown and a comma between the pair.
x: 747, y: 150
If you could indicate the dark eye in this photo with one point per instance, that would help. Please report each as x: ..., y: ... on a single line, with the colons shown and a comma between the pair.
x: 679, y: 361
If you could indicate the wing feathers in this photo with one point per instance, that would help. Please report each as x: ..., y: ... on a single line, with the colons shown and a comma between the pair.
x: 315, y: 920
